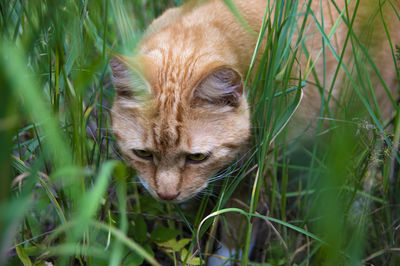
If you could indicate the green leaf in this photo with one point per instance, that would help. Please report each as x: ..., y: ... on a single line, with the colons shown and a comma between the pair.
x: 151, y: 205
x: 134, y: 259
x: 190, y: 261
x: 182, y: 243
x: 23, y: 256
x: 139, y: 229
x: 161, y: 234
x: 173, y: 245
x: 40, y: 263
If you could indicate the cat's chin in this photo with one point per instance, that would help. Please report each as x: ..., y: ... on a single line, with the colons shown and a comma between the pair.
x: 183, y: 197
x: 177, y: 200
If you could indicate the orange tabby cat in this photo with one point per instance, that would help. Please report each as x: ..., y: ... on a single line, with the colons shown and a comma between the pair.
x: 180, y: 112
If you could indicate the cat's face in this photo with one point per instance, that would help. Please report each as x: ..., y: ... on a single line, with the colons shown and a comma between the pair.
x: 177, y: 130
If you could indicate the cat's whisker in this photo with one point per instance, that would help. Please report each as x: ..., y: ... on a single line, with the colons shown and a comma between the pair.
x: 228, y: 173
x: 221, y: 173
x: 210, y: 195
x: 211, y: 180
x: 119, y: 155
x: 105, y: 107
x: 128, y: 120
x: 216, y: 180
x: 217, y: 186
x: 219, y: 177
x: 203, y: 193
x: 231, y: 170
x: 245, y: 155
x: 224, y: 174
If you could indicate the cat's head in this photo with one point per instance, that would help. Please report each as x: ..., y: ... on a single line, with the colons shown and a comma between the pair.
x: 177, y: 127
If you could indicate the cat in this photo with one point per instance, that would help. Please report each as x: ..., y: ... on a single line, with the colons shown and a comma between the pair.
x: 180, y: 112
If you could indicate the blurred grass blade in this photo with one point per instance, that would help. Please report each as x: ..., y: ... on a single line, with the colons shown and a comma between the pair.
x: 231, y: 5
x: 92, y: 200
x: 13, y: 66
x: 12, y: 213
x: 127, y: 241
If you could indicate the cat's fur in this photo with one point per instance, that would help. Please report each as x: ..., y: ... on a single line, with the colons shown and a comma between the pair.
x: 192, y: 102
x: 182, y: 92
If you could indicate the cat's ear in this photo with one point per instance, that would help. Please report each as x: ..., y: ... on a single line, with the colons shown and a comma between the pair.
x: 128, y: 83
x: 222, y: 86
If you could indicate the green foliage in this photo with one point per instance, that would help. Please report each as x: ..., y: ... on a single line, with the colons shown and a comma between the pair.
x: 65, y: 199
x: 162, y: 234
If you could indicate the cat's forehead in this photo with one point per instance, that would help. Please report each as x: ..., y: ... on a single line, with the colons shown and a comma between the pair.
x: 167, y: 132
x: 168, y: 136
x: 177, y: 132
x: 177, y: 70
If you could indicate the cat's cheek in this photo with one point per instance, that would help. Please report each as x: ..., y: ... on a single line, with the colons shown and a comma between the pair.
x: 145, y: 172
x: 228, y: 152
x: 195, y: 180
x: 223, y: 157
x: 192, y: 190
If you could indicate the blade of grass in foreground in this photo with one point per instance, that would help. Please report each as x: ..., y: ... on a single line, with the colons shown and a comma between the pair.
x: 25, y: 87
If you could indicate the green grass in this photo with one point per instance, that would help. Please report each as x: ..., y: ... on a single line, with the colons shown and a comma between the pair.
x: 65, y: 198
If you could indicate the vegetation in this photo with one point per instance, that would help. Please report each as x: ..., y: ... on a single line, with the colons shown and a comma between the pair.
x: 66, y: 197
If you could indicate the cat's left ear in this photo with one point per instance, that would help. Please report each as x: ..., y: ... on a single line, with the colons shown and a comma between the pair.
x: 222, y: 86
x: 128, y: 83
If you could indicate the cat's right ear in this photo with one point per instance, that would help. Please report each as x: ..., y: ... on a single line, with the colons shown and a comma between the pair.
x: 128, y: 83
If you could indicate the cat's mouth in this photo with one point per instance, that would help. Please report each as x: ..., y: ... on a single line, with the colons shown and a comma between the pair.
x: 170, y: 197
x: 177, y: 197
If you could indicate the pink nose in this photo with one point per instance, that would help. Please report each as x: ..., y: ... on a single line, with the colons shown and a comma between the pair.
x: 168, y: 196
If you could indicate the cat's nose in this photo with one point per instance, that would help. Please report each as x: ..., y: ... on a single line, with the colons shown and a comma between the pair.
x: 168, y: 196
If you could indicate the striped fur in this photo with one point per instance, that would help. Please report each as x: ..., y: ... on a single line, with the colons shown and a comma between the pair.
x: 181, y: 92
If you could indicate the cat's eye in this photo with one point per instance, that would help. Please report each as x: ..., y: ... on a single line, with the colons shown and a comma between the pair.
x: 143, y: 154
x: 197, y: 157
